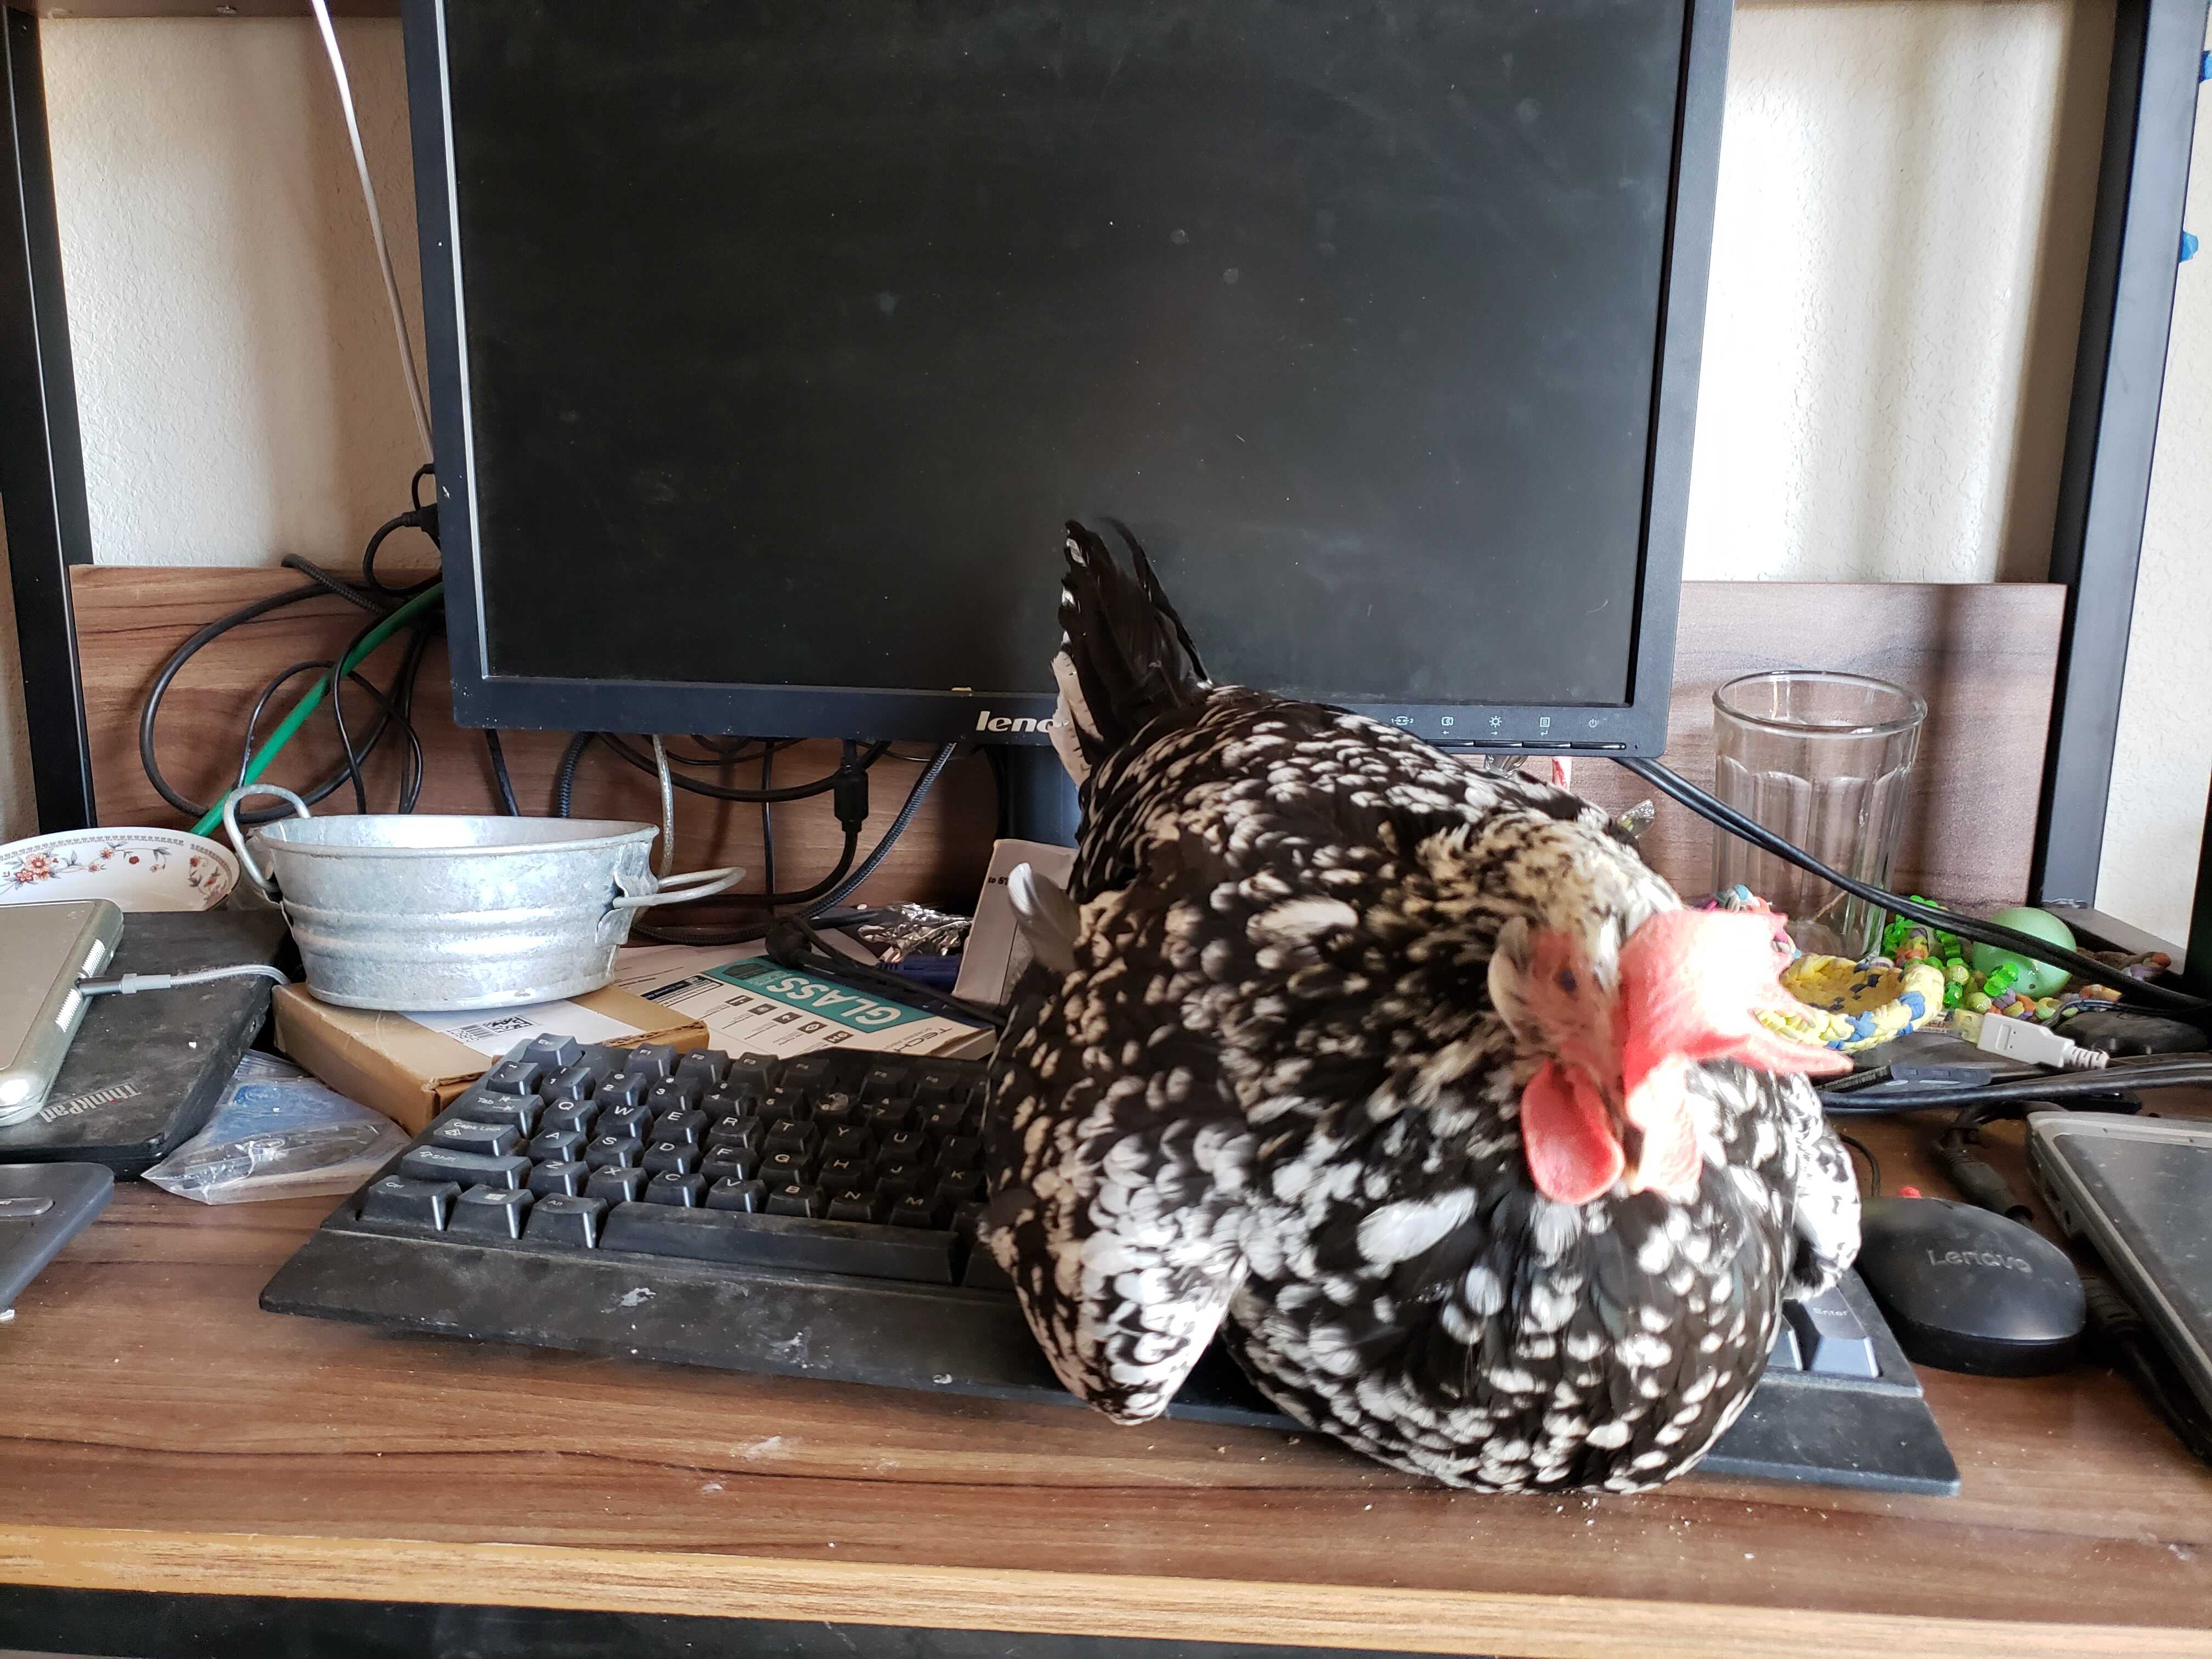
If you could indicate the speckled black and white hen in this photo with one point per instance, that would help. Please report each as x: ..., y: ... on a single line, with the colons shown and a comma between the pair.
x: 1411, y: 1079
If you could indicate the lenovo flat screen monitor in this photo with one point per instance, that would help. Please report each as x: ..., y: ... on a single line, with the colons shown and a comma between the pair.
x: 772, y: 343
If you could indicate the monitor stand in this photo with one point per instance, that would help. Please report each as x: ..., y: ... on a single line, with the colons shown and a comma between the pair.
x: 1036, y: 798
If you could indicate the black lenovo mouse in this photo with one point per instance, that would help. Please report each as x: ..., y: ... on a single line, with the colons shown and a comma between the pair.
x: 1966, y: 1290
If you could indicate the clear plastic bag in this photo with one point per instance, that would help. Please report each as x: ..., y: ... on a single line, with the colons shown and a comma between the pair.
x: 277, y: 1133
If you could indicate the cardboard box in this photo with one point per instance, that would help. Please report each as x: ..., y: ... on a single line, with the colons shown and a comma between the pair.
x: 411, y: 1072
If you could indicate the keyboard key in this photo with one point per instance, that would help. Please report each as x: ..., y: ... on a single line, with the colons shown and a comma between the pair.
x: 687, y: 1126
x: 490, y: 1212
x: 514, y: 1077
x: 797, y: 1198
x: 574, y: 1083
x: 962, y: 1152
x: 615, y: 1186
x: 854, y: 1143
x: 845, y: 1176
x: 745, y: 1196
x: 835, y: 1111
x: 654, y: 1060
x: 884, y: 1083
x: 615, y: 1152
x: 411, y: 1202
x: 747, y: 1135
x: 466, y: 1135
x: 623, y: 1089
x: 897, y: 1180
x: 918, y: 1213
x: 676, y: 1187
x: 906, y: 1146
x: 708, y: 1065
x: 553, y: 1052
x: 1784, y: 1355
x: 577, y: 1115
x: 671, y: 1158
x: 633, y: 1120
x: 676, y: 1095
x: 753, y: 1073
x: 721, y: 1103
x: 469, y: 1169
x: 482, y: 1105
x: 958, y: 1186
x: 562, y: 1180
x: 714, y: 1234
x: 558, y: 1146
x: 563, y: 1220
x: 847, y: 1207
x: 791, y: 1136
x: 786, y: 1169
x: 788, y: 1102
x: 723, y: 1163
x: 945, y: 1120
x: 983, y: 1272
x: 889, y: 1117
x: 1834, y: 1342
x: 811, y: 1073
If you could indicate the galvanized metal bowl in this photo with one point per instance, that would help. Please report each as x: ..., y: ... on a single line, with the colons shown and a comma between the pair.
x: 431, y: 913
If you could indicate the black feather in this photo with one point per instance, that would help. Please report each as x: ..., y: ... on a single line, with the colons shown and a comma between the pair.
x: 1131, y: 655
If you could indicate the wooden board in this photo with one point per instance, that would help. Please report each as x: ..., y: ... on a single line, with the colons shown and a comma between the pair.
x: 163, y: 1434
x: 129, y: 620
x: 1984, y: 656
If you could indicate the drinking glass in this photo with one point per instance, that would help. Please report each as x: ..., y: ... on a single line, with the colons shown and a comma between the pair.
x: 1821, y: 759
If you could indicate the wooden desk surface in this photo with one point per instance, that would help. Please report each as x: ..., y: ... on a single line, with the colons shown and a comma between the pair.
x: 161, y: 1433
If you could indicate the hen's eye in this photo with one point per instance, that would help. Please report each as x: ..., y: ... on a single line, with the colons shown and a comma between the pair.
x: 1567, y: 980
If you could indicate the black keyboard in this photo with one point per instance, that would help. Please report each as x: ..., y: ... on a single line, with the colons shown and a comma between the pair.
x: 813, y: 1216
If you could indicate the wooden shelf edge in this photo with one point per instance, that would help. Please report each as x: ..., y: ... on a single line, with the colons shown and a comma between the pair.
x: 1014, y: 1600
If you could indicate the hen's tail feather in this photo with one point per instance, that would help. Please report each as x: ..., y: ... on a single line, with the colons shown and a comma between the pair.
x: 1125, y: 657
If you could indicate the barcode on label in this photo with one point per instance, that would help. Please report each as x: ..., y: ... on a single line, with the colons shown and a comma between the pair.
x: 492, y: 1028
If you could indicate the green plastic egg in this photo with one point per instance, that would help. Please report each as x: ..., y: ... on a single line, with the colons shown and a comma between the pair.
x: 2037, y: 979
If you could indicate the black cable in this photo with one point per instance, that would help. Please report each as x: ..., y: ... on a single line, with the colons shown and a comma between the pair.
x: 2195, y: 1073
x: 253, y: 720
x: 1873, y: 1163
x: 2121, y: 1332
x: 2008, y: 938
x: 564, y: 775
x: 506, y: 801
x: 410, y: 778
x: 793, y: 942
x: 396, y: 705
x: 335, y: 584
x: 820, y: 786
x: 423, y: 518
x: 914, y: 796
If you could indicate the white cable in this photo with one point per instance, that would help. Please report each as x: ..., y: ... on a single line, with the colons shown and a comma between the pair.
x: 2018, y: 1039
x: 131, y: 984
x: 415, y: 398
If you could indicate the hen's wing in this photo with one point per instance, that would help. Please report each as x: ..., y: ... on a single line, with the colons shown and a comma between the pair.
x: 1824, y: 1223
x: 1116, y: 1162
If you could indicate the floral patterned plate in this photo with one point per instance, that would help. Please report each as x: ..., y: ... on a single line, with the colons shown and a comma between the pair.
x: 139, y: 869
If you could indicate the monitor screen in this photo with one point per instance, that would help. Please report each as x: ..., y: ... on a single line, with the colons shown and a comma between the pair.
x: 786, y: 336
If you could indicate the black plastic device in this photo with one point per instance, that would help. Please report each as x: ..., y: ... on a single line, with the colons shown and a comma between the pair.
x: 810, y: 1217
x: 1968, y: 1289
x: 770, y: 346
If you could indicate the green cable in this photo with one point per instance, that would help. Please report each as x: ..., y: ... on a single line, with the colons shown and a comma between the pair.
x: 314, y: 695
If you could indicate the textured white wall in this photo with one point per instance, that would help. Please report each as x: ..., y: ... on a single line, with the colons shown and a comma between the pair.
x: 1906, y: 194
x: 1905, y: 197
x: 2163, y: 769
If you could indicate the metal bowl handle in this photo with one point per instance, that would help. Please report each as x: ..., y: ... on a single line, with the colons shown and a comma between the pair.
x: 266, y: 883
x: 693, y: 883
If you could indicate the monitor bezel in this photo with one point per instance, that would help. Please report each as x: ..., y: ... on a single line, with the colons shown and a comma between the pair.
x: 1637, y: 726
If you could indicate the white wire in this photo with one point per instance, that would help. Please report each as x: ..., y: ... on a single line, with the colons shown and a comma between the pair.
x: 415, y: 398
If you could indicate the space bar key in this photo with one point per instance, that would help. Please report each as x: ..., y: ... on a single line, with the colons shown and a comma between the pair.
x: 781, y: 1241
